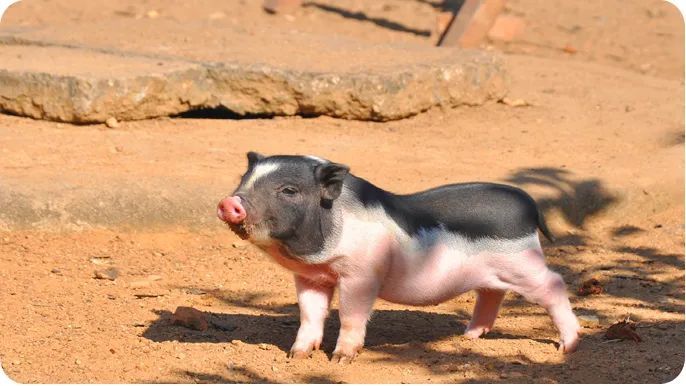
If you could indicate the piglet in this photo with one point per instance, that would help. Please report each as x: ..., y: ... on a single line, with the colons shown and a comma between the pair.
x: 335, y: 230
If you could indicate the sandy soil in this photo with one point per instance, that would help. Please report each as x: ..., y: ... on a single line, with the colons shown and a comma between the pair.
x: 601, y: 148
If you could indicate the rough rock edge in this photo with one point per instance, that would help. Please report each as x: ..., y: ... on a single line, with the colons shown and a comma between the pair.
x: 472, y: 78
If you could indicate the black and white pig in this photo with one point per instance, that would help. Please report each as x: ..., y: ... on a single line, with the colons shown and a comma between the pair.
x: 335, y: 230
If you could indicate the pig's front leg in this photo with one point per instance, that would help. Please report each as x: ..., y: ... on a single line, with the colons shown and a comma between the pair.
x: 356, y: 297
x: 314, y: 300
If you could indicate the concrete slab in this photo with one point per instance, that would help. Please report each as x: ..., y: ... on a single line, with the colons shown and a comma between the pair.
x: 97, y: 71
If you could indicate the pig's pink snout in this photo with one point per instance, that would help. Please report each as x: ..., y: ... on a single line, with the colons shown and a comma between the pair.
x: 231, y: 210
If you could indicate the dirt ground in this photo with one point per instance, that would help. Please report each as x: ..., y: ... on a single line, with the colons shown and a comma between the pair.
x: 601, y: 148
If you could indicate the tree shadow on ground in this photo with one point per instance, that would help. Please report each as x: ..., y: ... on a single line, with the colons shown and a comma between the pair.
x: 652, y: 255
x: 596, y: 361
x: 385, y: 327
x: 657, y: 359
x: 361, y: 16
x: 630, y: 280
x: 579, y: 200
x: 240, y: 374
x: 576, y: 200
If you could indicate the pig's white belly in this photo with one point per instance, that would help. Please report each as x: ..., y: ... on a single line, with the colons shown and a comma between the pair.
x: 429, y: 267
x: 437, y: 275
x: 449, y: 265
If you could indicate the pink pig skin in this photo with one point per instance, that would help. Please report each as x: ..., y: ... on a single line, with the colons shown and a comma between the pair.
x: 371, y: 260
x: 335, y: 230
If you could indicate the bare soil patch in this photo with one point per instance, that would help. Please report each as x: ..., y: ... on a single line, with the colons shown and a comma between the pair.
x: 600, y: 146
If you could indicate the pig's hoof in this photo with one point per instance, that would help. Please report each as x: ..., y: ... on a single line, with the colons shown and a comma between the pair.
x: 569, y: 346
x: 304, y: 348
x: 343, y: 358
x: 300, y: 354
x: 475, y: 332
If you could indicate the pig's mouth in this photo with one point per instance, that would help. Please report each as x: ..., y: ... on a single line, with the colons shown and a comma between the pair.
x: 240, y: 229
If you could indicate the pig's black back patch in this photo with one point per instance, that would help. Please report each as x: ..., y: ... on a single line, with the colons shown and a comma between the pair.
x: 473, y: 210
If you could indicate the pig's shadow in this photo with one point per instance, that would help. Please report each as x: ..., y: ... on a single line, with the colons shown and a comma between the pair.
x: 385, y: 327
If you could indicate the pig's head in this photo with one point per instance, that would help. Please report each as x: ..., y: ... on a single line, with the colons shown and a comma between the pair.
x: 285, y: 200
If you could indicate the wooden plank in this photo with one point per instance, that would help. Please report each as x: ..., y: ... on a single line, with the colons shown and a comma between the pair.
x: 470, y: 25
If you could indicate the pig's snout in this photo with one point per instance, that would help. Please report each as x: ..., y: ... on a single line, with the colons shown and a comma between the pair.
x: 230, y: 210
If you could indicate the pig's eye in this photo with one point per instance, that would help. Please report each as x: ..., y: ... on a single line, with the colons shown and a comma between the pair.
x: 289, y: 190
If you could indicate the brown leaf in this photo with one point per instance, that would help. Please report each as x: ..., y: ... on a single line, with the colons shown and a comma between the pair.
x: 590, y: 287
x: 625, y: 330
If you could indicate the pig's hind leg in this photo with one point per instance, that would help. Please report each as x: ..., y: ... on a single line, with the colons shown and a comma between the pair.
x: 313, y: 300
x: 528, y: 275
x: 485, y: 311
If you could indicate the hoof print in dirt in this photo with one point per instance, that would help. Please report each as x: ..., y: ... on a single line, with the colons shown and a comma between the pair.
x: 624, y: 330
x: 189, y: 317
x: 590, y: 287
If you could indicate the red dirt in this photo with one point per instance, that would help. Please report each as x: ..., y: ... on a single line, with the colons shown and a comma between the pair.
x: 600, y: 146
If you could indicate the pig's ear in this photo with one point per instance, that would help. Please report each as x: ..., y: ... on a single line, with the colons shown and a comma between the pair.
x: 253, y: 158
x: 330, y: 177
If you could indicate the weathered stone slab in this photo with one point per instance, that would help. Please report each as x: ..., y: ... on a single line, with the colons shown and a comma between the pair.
x: 81, y: 86
x: 93, y: 75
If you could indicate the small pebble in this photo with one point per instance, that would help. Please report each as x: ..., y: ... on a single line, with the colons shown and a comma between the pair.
x: 112, y: 123
x: 106, y: 274
x: 239, y: 244
x: 515, y: 102
x: 195, y: 291
x: 101, y: 260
